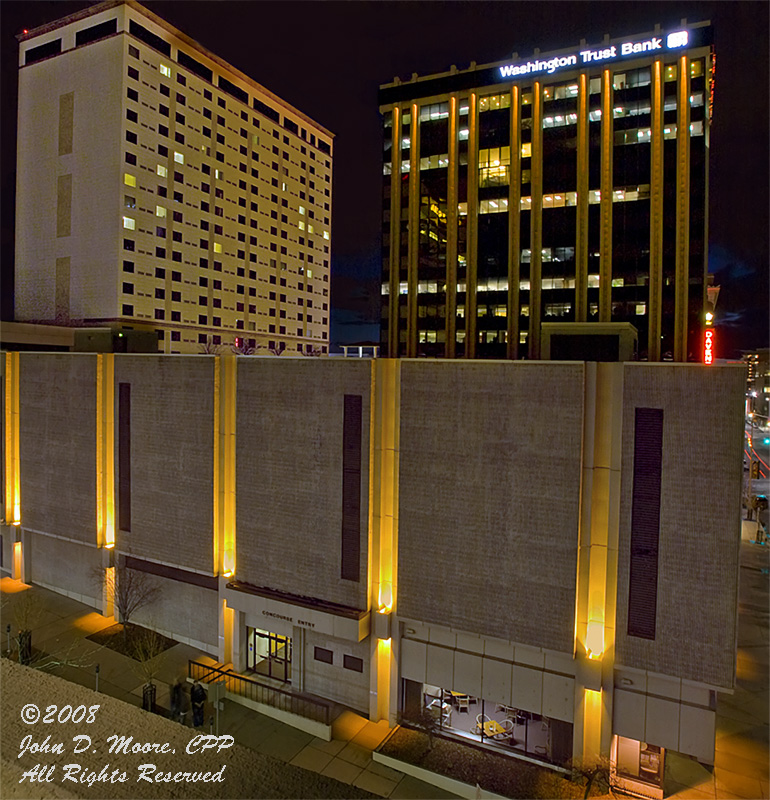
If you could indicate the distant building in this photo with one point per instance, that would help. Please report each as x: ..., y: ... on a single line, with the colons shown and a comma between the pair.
x: 544, y: 544
x: 758, y: 382
x: 160, y: 188
x: 565, y: 186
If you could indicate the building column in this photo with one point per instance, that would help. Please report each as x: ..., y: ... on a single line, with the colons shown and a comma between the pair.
x: 383, y: 537
x: 105, y: 476
x: 682, y: 255
x: 11, y: 462
x: 605, y: 206
x: 655, y: 300
x: 472, y: 233
x: 581, y: 239
x: 514, y: 228
x: 450, y: 347
x: 536, y: 222
x: 224, y: 543
x: 598, y: 560
x: 395, y: 237
x: 414, y: 234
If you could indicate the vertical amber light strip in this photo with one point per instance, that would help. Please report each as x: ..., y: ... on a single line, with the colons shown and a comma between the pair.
x: 451, y: 239
x: 592, y: 727
x: 536, y: 222
x: 414, y: 234
x: 216, y: 476
x: 581, y: 239
x: 682, y: 259
x: 655, y: 301
x: 227, y: 462
x: 384, y: 433
x: 472, y: 230
x: 105, y: 450
x: 514, y: 227
x: 598, y: 556
x: 12, y: 460
x: 395, y: 236
x: 605, y: 203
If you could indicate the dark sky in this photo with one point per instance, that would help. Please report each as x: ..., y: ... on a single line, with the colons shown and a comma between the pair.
x: 328, y: 59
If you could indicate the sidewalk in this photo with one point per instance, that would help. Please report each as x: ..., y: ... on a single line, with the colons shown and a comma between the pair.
x: 63, y: 626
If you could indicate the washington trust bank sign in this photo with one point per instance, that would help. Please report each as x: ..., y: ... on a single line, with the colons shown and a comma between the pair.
x: 664, y: 42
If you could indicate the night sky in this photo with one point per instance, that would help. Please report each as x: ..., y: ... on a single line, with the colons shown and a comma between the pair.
x: 328, y: 59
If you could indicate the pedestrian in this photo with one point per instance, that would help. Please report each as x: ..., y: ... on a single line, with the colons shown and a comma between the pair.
x: 184, y: 704
x: 174, y: 697
x: 198, y: 697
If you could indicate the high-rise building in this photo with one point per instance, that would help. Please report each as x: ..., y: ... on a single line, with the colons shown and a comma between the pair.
x: 161, y: 188
x: 568, y: 186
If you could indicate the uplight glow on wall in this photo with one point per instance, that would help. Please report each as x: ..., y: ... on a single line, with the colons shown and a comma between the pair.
x: 12, y: 460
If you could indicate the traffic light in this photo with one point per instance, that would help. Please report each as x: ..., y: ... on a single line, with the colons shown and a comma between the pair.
x: 755, y: 469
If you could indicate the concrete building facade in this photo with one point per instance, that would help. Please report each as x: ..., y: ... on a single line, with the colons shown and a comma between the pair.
x: 544, y: 546
x: 160, y: 188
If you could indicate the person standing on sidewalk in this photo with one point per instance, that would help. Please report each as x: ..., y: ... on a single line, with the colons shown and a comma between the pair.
x: 198, y: 697
x: 184, y: 704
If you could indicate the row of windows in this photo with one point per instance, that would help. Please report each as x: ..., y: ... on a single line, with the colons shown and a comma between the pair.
x: 621, y: 81
x: 128, y: 310
x: 501, y: 284
x: 225, y: 85
x: 348, y: 661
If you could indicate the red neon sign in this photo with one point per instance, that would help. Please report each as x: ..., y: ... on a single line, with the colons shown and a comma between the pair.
x: 708, y: 350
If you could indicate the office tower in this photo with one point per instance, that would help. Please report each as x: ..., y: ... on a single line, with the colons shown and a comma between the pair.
x: 561, y: 187
x: 160, y: 188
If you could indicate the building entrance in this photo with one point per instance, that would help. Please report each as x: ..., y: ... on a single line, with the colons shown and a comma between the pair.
x: 269, y: 654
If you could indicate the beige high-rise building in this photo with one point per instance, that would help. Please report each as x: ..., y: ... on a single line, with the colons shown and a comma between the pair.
x: 160, y: 188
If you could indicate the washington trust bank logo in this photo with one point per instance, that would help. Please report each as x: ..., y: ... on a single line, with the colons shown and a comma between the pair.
x: 673, y: 41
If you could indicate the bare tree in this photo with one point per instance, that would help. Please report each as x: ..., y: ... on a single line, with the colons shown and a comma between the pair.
x: 278, y: 349
x: 209, y: 348
x: 595, y: 771
x: 130, y: 589
x: 148, y: 648
x: 315, y: 352
x: 27, y: 612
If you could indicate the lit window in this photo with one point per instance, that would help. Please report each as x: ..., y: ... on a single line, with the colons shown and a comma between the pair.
x: 641, y: 309
x: 326, y: 234
x: 217, y: 247
x: 160, y: 211
x: 526, y: 150
x: 617, y: 281
x: 310, y: 273
x: 218, y: 174
x: 161, y: 170
x: 178, y: 157
x: 129, y: 223
x: 302, y: 209
x: 129, y: 180
x: 164, y: 70
x: 310, y: 228
x: 301, y: 225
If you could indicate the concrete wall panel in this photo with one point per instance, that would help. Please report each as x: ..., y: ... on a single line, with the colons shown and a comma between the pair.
x: 699, y: 520
x: 57, y: 398
x: 172, y: 466
x: 489, y: 497
x: 334, y: 681
x: 289, y: 466
x: 81, y: 579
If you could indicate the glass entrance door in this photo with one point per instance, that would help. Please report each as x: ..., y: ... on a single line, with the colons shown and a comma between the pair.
x: 269, y: 654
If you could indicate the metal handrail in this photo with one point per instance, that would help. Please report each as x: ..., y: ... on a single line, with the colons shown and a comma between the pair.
x: 262, y: 693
